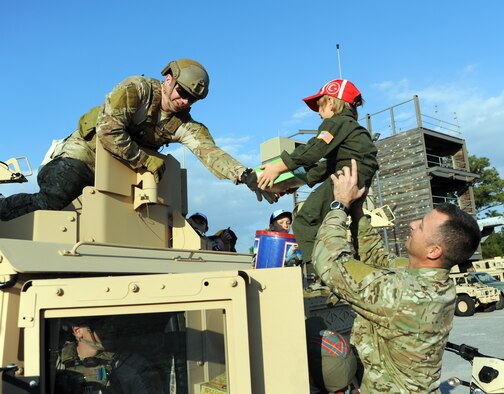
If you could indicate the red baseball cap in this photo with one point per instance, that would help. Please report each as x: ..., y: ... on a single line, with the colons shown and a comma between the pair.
x: 339, y: 88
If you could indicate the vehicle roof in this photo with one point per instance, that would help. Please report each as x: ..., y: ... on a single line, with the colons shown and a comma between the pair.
x: 24, y: 256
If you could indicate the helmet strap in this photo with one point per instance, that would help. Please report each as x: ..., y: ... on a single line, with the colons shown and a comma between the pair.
x: 94, y: 343
x: 166, y: 94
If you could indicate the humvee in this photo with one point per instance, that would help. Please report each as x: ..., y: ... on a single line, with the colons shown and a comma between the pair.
x: 493, y: 267
x: 204, y: 321
x: 486, y: 279
x: 472, y: 295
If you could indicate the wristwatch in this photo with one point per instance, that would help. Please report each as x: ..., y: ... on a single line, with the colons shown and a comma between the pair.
x: 339, y: 205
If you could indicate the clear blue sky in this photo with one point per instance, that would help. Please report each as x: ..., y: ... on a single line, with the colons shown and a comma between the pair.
x: 60, y: 58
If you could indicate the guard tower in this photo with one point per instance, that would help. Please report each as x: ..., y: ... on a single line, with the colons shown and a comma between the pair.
x: 419, y: 168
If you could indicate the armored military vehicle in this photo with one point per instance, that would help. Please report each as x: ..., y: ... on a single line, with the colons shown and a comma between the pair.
x: 472, y: 295
x: 485, y: 279
x: 493, y: 267
x: 122, y: 260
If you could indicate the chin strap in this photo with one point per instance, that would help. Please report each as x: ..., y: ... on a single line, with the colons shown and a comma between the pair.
x: 94, y: 343
x: 167, y: 93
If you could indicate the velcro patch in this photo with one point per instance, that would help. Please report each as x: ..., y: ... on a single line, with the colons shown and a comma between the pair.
x: 125, y: 98
x: 401, y: 262
x: 325, y: 136
x: 358, y: 270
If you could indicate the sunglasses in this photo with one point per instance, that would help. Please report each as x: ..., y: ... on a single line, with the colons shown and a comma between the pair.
x: 184, y: 94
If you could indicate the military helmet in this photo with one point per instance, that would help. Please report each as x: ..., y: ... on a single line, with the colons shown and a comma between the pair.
x: 191, y: 75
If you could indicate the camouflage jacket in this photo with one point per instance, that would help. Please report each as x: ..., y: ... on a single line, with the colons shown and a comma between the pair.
x: 404, y: 315
x: 131, y: 119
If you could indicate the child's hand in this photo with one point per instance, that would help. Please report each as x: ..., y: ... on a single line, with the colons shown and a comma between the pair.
x: 270, y: 174
x: 267, y: 178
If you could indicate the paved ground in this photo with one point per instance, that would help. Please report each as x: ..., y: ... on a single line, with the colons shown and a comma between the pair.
x: 483, y: 331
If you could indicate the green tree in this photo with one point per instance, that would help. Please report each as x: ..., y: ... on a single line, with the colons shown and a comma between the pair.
x: 488, y: 188
x: 493, y: 245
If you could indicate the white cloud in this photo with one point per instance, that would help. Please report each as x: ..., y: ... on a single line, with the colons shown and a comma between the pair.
x: 470, y: 69
x: 299, y: 115
x: 396, y: 90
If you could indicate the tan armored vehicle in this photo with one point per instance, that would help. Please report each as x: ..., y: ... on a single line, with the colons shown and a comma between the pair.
x: 493, y: 267
x: 472, y: 295
x: 485, y: 279
x: 122, y: 264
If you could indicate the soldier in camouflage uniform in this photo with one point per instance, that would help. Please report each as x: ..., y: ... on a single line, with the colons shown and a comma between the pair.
x: 85, y: 366
x: 139, y: 113
x: 404, y: 307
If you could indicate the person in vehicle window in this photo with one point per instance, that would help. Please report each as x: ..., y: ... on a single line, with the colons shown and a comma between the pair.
x: 84, y: 365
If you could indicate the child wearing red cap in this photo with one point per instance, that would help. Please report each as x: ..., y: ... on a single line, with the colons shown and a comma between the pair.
x: 340, y: 138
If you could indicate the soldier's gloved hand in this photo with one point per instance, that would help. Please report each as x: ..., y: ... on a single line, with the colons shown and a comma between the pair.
x: 249, y: 177
x: 156, y: 165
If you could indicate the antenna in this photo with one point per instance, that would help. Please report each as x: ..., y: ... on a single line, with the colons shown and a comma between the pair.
x: 339, y: 61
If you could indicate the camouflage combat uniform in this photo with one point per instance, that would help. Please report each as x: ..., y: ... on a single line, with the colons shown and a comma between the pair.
x: 74, y: 375
x: 106, y: 373
x: 404, y: 315
x: 130, y: 119
x: 339, y: 139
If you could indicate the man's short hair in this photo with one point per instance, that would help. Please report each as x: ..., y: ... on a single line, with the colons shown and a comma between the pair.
x: 460, y: 235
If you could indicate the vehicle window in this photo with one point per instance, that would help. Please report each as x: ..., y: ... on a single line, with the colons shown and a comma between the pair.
x: 175, y: 352
x: 472, y: 279
x: 485, y: 278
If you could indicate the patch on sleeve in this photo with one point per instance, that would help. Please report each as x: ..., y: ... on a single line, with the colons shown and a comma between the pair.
x: 325, y: 136
x: 400, y: 262
x: 358, y: 271
x: 124, y: 98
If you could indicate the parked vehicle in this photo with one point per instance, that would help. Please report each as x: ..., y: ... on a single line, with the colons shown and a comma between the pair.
x: 494, y: 267
x: 471, y: 296
x: 485, y: 279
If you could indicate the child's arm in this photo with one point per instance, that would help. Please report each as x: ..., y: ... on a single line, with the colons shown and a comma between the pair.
x: 270, y: 174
